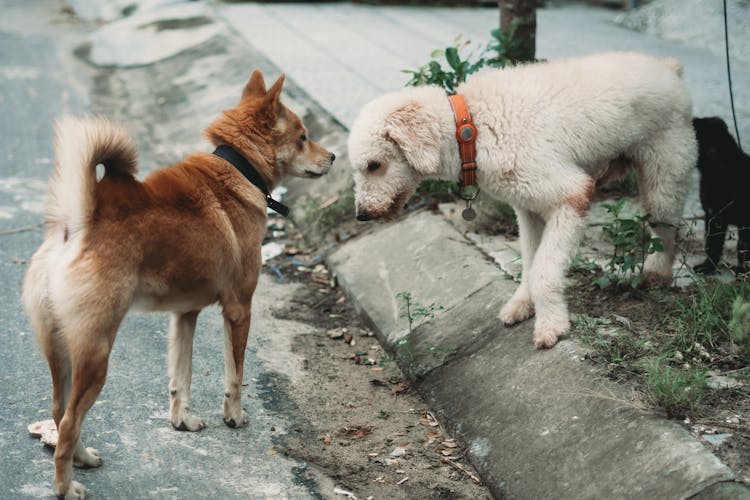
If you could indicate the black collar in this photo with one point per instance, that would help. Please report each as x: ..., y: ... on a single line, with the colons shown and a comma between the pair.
x: 240, y: 163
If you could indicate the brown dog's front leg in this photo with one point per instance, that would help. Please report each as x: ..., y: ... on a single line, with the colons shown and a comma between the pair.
x: 236, y: 329
x: 180, y: 362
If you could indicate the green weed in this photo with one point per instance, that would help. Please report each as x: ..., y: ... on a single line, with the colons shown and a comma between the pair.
x: 405, y: 351
x: 704, y: 316
x: 676, y: 390
x: 632, y: 242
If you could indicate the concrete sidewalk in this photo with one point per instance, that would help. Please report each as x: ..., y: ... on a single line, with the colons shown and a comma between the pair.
x: 538, y: 424
x: 343, y: 55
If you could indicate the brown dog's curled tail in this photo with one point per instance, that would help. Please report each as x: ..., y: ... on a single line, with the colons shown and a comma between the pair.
x: 80, y: 145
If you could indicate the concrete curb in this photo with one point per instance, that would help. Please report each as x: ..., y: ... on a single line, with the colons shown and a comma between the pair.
x: 538, y: 424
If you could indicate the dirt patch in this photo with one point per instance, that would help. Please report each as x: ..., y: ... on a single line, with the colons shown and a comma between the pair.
x: 373, y: 434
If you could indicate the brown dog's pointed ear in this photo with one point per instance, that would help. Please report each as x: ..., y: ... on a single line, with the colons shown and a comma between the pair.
x: 256, y: 86
x: 273, y: 97
x: 417, y: 133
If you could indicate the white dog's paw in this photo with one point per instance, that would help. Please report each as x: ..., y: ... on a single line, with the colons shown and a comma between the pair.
x: 188, y: 422
x: 516, y: 310
x: 237, y: 421
x: 657, y: 270
x: 546, y: 333
x: 656, y: 280
x: 75, y: 491
x: 87, y: 457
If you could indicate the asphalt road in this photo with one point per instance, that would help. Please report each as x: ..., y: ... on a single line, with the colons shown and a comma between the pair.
x: 40, y: 79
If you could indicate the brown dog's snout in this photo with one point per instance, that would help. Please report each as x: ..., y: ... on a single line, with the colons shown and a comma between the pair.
x: 331, y: 157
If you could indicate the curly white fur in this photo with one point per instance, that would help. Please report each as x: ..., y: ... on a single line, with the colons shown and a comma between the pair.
x: 546, y: 133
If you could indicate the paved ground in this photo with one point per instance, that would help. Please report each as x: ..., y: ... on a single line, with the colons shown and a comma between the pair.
x: 39, y: 81
x: 340, y: 55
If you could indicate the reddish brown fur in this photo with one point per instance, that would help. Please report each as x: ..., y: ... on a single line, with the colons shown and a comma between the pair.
x: 581, y: 201
x: 187, y: 236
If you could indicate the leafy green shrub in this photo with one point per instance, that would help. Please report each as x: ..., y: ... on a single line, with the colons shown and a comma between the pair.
x: 461, y: 61
x: 632, y: 242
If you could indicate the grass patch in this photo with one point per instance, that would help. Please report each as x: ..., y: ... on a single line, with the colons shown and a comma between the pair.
x: 670, y: 342
x: 677, y: 391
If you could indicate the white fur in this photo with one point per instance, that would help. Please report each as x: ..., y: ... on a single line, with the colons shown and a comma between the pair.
x: 546, y: 133
x: 80, y: 144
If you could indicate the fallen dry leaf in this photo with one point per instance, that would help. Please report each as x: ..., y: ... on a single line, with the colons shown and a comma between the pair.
x: 400, y: 387
x: 335, y: 333
x: 46, y: 430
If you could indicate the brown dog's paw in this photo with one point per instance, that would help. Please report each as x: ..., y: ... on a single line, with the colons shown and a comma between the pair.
x: 235, y: 423
x: 189, y: 423
x: 86, y: 458
x: 515, y: 311
x: 75, y: 491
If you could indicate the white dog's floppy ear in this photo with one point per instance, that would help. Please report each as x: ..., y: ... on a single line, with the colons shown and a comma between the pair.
x: 417, y: 133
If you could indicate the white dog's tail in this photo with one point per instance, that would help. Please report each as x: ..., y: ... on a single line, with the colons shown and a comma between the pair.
x: 81, y: 145
x: 673, y: 64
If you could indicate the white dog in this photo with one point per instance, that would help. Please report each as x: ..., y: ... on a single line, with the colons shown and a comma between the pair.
x: 547, y: 132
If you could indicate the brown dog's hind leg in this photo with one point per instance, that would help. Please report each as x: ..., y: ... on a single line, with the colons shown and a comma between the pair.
x: 89, y: 359
x: 60, y: 369
x: 180, y: 365
x: 236, y: 329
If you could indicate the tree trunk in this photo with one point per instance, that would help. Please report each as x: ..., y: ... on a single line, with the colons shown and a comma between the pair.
x: 522, y: 14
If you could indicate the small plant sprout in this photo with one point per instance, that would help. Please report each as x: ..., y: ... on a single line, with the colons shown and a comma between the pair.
x: 413, y: 312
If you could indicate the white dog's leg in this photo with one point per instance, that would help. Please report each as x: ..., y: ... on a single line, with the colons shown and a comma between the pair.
x: 180, y: 362
x: 561, y: 235
x: 664, y: 174
x: 520, y: 306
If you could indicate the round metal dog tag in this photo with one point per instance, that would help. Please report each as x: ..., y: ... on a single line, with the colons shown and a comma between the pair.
x: 467, y: 133
x: 468, y: 214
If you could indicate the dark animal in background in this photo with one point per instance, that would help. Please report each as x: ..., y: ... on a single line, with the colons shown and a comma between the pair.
x: 724, y: 191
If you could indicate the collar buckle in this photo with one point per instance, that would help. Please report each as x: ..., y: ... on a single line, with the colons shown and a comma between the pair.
x: 466, y: 135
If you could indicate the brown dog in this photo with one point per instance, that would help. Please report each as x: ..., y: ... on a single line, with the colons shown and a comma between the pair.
x: 186, y: 237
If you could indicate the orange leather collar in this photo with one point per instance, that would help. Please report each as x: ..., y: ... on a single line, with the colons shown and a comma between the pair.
x: 466, y: 135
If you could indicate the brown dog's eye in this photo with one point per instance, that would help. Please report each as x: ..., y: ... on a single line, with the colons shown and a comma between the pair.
x: 373, y: 165
x: 303, y: 138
